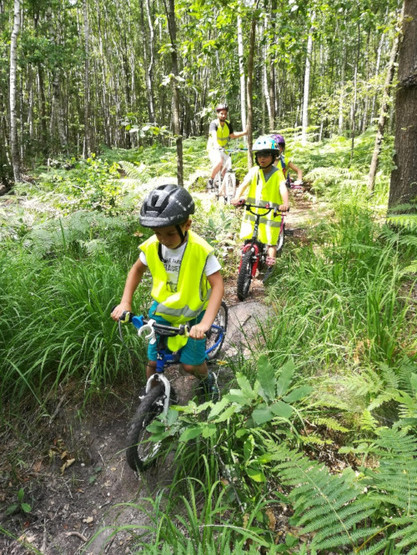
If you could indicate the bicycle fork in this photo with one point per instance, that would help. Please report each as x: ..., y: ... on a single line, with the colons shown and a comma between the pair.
x: 167, y: 389
x: 254, y: 248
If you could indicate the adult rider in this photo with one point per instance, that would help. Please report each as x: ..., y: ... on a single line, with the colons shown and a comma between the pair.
x: 220, y: 131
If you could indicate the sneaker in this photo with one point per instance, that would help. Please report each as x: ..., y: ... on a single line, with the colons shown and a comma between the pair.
x: 207, y: 389
x: 210, y: 184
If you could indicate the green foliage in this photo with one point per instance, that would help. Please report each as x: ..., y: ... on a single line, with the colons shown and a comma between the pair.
x: 328, y: 506
x: 254, y: 414
x: 199, y: 519
x: 59, y: 286
x: 20, y: 505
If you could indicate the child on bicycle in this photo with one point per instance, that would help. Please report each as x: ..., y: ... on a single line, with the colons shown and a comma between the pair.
x: 266, y: 184
x: 284, y: 162
x: 187, y: 284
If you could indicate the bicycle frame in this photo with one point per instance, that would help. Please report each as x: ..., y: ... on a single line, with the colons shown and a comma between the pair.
x: 259, y: 249
x: 153, y: 331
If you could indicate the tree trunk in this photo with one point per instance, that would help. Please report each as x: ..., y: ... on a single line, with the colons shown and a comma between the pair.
x: 240, y: 53
x: 149, y: 72
x: 403, y: 186
x: 377, y: 63
x: 383, y: 113
x: 307, y: 81
x: 14, y: 145
x: 250, y: 86
x: 172, y: 26
x: 355, y: 96
x: 265, y: 78
x: 87, y: 130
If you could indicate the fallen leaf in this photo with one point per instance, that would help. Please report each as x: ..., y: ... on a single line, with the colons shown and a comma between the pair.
x: 66, y: 464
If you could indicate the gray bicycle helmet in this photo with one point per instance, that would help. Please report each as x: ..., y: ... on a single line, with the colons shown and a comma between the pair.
x: 166, y: 205
x: 220, y: 107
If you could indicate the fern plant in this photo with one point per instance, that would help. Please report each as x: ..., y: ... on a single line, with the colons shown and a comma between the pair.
x: 393, y: 486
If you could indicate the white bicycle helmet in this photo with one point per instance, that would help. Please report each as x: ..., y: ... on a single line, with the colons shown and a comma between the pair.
x: 266, y: 142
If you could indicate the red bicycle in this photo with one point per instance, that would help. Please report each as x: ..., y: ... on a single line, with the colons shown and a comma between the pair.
x: 254, y: 253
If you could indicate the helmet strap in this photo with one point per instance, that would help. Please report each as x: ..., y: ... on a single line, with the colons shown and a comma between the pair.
x: 161, y: 258
x: 181, y: 234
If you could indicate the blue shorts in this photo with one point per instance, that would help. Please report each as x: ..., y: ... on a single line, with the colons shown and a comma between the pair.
x: 193, y: 352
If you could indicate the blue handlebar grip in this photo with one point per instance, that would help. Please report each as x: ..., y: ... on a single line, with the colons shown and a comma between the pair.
x: 137, y: 321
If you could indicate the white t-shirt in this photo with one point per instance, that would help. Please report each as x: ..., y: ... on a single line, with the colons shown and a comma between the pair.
x: 172, y: 262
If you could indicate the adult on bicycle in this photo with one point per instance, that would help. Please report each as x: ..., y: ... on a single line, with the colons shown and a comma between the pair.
x: 220, y: 131
x: 187, y: 286
x: 266, y: 184
x: 283, y: 160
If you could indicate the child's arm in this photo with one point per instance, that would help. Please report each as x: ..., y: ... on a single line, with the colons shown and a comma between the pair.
x: 284, y: 194
x: 295, y: 169
x: 217, y: 291
x: 134, y: 277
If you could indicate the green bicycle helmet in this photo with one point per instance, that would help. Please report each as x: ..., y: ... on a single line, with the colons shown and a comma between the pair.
x: 166, y: 205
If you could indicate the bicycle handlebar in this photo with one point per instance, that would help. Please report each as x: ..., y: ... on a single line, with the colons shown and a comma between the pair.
x: 267, y: 208
x: 142, y: 324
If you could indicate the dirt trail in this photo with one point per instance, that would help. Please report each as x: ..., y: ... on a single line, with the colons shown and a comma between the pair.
x: 75, y: 502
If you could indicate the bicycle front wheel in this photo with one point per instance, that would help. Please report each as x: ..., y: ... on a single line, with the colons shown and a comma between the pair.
x: 217, y: 333
x: 244, y: 278
x: 229, y: 186
x: 141, y: 453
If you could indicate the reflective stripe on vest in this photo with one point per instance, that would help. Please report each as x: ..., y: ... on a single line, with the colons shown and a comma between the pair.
x: 193, y: 289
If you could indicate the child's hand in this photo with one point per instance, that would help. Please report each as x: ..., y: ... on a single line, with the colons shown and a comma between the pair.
x: 118, y: 311
x: 238, y: 201
x: 284, y: 207
x: 198, y: 331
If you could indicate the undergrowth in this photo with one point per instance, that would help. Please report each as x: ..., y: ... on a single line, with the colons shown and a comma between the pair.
x: 312, y: 448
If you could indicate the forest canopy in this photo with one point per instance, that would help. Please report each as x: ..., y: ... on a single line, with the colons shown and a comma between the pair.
x: 100, y: 73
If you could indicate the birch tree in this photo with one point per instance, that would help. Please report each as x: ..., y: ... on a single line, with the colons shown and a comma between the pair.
x: 14, y: 145
x: 383, y: 111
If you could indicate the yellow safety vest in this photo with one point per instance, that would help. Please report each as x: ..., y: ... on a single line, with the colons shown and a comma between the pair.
x: 263, y: 193
x: 193, y: 288
x: 223, y: 133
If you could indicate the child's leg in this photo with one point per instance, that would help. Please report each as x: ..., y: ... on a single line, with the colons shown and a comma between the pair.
x: 150, y: 368
x: 272, y: 255
x: 200, y: 371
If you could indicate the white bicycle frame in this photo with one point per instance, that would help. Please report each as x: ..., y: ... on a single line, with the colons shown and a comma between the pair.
x: 158, y: 376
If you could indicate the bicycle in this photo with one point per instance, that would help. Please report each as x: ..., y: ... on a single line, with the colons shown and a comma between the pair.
x: 296, y: 186
x: 226, y: 186
x: 254, y: 253
x: 141, y: 453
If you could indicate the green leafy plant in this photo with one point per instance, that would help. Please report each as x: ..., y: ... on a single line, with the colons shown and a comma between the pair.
x: 20, y: 506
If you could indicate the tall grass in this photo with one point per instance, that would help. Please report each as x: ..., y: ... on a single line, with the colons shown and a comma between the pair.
x: 57, y: 296
x: 346, y: 288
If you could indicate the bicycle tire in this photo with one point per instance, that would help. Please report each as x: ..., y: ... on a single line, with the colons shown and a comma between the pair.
x: 212, y: 335
x: 281, y: 241
x: 229, y: 187
x: 142, y: 453
x: 217, y: 182
x: 244, y: 277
